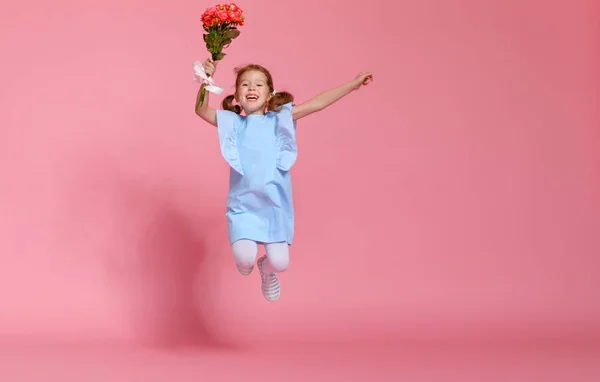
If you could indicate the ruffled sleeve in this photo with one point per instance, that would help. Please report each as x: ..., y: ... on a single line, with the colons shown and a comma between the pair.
x: 227, y: 126
x: 287, y: 151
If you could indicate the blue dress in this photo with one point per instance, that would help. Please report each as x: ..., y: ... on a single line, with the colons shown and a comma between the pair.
x: 260, y: 150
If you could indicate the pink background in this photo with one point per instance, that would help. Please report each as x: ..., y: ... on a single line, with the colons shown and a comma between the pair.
x: 456, y: 196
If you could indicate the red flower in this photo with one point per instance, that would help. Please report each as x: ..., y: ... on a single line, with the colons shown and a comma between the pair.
x: 220, y: 14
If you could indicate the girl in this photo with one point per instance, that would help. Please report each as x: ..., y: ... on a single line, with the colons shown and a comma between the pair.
x: 260, y: 148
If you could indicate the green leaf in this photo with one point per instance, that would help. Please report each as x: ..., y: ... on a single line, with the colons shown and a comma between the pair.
x: 218, y: 56
x: 232, y: 33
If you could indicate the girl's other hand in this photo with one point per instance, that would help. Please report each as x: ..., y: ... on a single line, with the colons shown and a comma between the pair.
x: 362, y: 79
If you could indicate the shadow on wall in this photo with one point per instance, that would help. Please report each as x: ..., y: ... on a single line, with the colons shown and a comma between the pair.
x: 155, y: 257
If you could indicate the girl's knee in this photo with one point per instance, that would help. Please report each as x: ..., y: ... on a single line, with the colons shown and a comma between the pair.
x: 280, y: 263
x: 244, y: 252
x: 279, y: 256
x: 245, y: 261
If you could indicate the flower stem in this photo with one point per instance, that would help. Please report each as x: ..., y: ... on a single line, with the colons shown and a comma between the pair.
x: 202, y: 95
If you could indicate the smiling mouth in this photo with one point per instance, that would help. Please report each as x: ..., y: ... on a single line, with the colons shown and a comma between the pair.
x: 251, y: 97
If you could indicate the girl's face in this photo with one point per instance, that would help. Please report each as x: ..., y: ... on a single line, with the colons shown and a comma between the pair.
x: 253, y: 92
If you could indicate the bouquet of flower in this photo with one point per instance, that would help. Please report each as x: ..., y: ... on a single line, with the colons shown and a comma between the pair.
x: 220, y: 23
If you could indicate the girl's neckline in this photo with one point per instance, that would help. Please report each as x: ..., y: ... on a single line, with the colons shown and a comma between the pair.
x: 255, y: 116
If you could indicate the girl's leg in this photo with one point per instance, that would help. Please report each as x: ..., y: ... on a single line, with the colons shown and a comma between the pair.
x: 244, y: 252
x: 276, y: 260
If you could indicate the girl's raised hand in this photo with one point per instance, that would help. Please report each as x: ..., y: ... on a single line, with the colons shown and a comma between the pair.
x: 362, y: 79
x: 209, y: 66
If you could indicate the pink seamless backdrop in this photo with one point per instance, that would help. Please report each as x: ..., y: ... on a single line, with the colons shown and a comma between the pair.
x: 457, y: 195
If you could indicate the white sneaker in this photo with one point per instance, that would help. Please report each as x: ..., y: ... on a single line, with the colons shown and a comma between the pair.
x: 245, y: 271
x: 270, y: 283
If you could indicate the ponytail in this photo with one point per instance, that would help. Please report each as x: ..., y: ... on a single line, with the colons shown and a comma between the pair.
x: 278, y: 100
x: 227, y: 104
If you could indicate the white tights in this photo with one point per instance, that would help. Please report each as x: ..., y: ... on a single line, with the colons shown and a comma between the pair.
x: 278, y: 256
